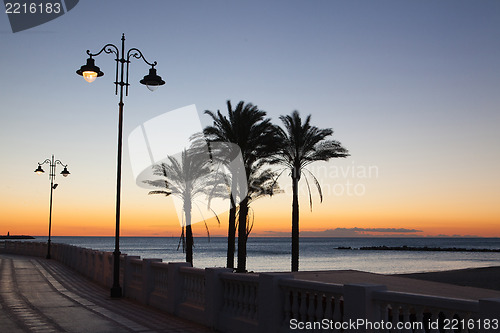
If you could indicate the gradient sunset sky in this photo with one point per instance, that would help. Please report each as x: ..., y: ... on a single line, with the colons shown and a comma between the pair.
x: 411, y: 88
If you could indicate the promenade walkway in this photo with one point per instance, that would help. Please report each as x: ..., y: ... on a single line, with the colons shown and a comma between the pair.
x: 39, y: 295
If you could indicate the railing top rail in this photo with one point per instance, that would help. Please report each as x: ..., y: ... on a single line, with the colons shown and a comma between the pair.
x: 192, y: 270
x: 313, y: 286
x: 162, y: 265
x: 240, y: 277
x: 427, y: 300
x: 136, y: 261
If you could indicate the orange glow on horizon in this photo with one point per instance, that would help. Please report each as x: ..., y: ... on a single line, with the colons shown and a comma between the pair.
x: 143, y: 215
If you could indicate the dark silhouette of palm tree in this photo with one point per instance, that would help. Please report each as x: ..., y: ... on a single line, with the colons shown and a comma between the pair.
x: 255, y: 135
x: 300, y: 145
x: 227, y: 157
x: 187, y: 179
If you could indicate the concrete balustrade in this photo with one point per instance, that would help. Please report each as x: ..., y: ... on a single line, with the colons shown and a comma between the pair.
x: 266, y: 302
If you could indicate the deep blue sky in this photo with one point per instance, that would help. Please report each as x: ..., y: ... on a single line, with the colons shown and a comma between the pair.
x: 411, y: 87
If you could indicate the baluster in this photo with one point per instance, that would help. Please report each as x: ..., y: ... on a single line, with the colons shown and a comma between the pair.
x: 449, y: 315
x: 337, y: 315
x: 241, y: 305
x: 406, y: 318
x: 287, y: 308
x: 255, y: 301
x: 187, y: 289
x: 246, y: 300
x: 197, y: 289
x: 395, y: 317
x: 319, y: 305
x: 234, y: 286
x: 466, y: 317
x: 255, y: 305
x: 419, y: 312
x: 385, y: 315
x: 434, y: 317
x: 251, y: 303
x: 230, y: 296
x: 384, y: 312
x: 192, y: 290
x: 227, y: 301
x: 230, y: 301
x: 227, y: 296
x: 295, y: 304
x: 201, y: 293
x: 328, y: 314
x: 310, y: 307
x: 303, y: 307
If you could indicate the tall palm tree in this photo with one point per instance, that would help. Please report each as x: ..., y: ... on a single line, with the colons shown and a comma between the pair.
x: 255, y: 135
x: 302, y: 144
x: 224, y: 154
x: 186, y: 179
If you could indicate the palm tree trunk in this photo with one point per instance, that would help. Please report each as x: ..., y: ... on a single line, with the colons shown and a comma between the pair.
x: 189, y: 244
x: 231, y: 234
x: 295, y: 224
x: 189, y: 234
x: 242, y: 237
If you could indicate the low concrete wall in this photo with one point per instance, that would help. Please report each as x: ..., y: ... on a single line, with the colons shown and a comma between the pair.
x: 270, y: 302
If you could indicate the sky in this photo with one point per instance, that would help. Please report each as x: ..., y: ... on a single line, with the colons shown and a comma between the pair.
x: 410, y: 88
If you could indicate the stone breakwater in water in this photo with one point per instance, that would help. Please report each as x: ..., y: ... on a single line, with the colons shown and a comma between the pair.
x: 413, y: 248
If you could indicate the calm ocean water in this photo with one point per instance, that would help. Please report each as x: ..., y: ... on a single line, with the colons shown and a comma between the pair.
x: 267, y: 254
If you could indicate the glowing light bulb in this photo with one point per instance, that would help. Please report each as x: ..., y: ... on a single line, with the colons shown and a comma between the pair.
x: 89, y: 76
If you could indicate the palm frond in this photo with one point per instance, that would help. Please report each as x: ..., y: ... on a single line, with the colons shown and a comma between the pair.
x: 309, y: 192
x: 316, y: 182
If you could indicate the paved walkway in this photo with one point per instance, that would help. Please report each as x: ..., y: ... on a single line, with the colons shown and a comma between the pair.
x: 39, y: 295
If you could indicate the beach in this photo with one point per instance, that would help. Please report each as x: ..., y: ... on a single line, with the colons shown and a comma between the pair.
x: 484, y: 277
x: 471, y: 284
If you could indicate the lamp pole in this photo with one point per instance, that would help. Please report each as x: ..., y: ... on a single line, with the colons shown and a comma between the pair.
x: 90, y: 72
x: 52, y: 176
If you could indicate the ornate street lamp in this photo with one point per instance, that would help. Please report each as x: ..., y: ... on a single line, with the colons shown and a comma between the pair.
x: 52, y: 176
x: 90, y: 72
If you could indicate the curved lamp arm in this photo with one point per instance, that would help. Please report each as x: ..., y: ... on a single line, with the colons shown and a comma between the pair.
x: 110, y: 48
x: 60, y: 163
x: 135, y: 53
x: 46, y: 161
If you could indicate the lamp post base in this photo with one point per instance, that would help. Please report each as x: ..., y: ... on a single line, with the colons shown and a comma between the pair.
x: 48, y: 248
x: 116, y: 292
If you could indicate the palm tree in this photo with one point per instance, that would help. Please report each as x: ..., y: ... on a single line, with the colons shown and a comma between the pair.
x: 255, y: 135
x: 223, y: 155
x: 186, y: 179
x: 301, y: 145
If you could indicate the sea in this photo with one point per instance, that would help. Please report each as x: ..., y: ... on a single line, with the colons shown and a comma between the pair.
x: 272, y: 254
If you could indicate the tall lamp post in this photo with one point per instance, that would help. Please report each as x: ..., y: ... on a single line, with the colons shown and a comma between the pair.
x: 90, y: 72
x: 52, y: 176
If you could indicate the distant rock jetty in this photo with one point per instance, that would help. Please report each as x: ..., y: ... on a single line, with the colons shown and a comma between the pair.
x: 17, y: 237
x: 412, y: 248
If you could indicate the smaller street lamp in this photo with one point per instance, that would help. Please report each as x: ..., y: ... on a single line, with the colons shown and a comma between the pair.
x: 52, y: 176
